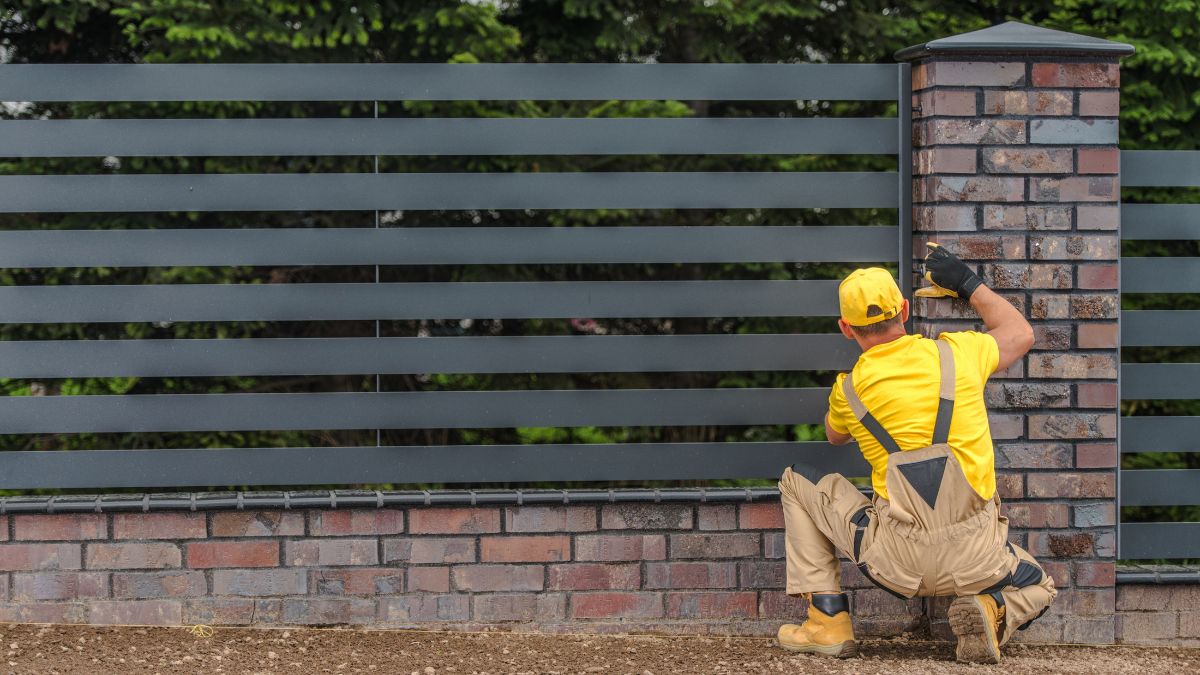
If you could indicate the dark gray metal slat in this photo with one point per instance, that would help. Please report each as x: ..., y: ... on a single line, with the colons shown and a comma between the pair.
x: 467, y: 300
x: 1144, y: 541
x: 1160, y: 328
x: 448, y: 82
x: 445, y: 245
x: 1160, y: 381
x: 1160, y: 487
x: 1160, y: 168
x: 420, y: 464
x: 1160, y: 275
x: 410, y: 410
x: 425, y: 191
x: 1169, y: 433
x: 454, y: 136
x: 340, y: 356
x: 1160, y: 221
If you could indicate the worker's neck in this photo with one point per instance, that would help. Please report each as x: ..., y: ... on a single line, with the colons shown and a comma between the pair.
x: 868, y: 341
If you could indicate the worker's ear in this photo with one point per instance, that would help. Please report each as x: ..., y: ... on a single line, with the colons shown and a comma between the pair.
x: 846, y: 330
x: 904, y: 309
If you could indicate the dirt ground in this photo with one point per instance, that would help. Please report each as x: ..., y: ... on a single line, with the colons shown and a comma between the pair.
x: 86, y: 649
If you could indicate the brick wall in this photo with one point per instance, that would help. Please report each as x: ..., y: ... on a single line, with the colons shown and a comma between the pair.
x: 1159, y: 614
x: 1015, y: 170
x: 624, y: 567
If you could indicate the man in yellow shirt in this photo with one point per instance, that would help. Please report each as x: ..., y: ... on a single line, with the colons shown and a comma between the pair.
x: 934, y: 528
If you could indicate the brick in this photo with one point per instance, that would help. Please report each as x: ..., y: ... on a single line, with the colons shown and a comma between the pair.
x: 257, y: 524
x: 1066, y: 425
x: 1058, y: 570
x: 137, y: 612
x: 969, y: 189
x: 1099, y: 103
x: 944, y: 160
x: 1052, y: 337
x: 714, y: 545
x: 1089, y: 630
x: 219, y: 611
x: 1061, y: 545
x: 1091, y: 602
x: 429, y: 550
x: 691, y: 575
x: 328, y: 611
x: 1076, y: 75
x: 357, y: 521
x: 331, y: 552
x: 1004, y: 427
x: 259, y: 582
x: 617, y: 605
x: 159, y: 526
x: 1073, y: 189
x: 429, y: 579
x: 1095, y: 515
x: 945, y: 218
x: 1023, y: 275
x: 1098, y: 217
x: 716, y: 517
x: 949, y: 102
x: 3, y: 528
x: 735, y: 605
x: 43, y: 612
x: 1143, y: 627
x: 1072, y: 485
x: 499, y: 577
x: 774, y: 545
x: 1054, y: 306
x: 525, y: 549
x: 149, y: 585
x: 207, y: 554
x: 921, y: 74
x: 1095, y: 573
x: 1105, y: 543
x: 1074, y: 132
x: 878, y: 602
x: 762, y: 574
x: 1098, y: 277
x: 1027, y: 395
x: 779, y: 605
x: 1028, y: 160
x: 646, y: 517
x: 762, y: 516
x: 1010, y: 485
x: 522, y: 607
x: 979, y: 247
x: 385, y: 581
x: 453, y: 521
x: 595, y: 577
x: 1097, y: 394
x: 1027, y: 102
x: 1189, y: 625
x: 60, y: 527
x: 970, y: 132
x: 411, y: 608
x: 613, y: 547
x: 1095, y: 455
x: 550, y: 519
x: 1033, y: 456
x: 1073, y: 366
x: 976, y: 74
x: 1099, y: 160
x: 1158, y: 597
x: 133, y: 556
x: 1004, y: 217
x: 39, y: 557
x: 1097, y: 335
x: 1074, y: 247
x: 59, y: 586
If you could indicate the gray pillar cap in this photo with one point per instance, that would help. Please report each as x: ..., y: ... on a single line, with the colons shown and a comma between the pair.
x: 1016, y: 38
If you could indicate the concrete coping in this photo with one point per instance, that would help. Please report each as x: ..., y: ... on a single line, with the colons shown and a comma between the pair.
x: 1016, y: 38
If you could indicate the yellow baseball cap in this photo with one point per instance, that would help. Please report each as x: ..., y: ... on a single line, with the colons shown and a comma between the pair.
x: 868, y: 296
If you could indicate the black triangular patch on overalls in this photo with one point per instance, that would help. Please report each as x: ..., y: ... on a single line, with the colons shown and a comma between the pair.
x: 926, y: 477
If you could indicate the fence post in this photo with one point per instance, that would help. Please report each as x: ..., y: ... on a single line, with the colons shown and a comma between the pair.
x: 1015, y: 168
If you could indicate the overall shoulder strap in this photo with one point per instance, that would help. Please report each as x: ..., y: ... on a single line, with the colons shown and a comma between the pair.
x: 945, y: 411
x: 865, y: 418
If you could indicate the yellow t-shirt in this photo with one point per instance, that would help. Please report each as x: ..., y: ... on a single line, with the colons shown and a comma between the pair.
x: 898, y: 382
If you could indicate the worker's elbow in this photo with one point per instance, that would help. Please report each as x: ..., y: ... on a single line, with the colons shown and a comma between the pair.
x: 1026, y: 338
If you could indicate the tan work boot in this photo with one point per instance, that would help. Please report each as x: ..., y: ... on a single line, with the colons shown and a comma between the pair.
x: 827, y: 631
x: 977, y: 622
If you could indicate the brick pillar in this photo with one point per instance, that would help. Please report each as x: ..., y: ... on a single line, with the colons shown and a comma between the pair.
x: 1015, y: 170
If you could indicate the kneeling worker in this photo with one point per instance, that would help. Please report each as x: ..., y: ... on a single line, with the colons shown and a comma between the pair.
x: 916, y: 408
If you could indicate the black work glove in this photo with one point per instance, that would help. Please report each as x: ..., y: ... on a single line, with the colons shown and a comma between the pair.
x: 949, y: 275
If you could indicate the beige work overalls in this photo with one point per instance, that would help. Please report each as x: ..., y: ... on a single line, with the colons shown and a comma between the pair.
x: 934, y: 536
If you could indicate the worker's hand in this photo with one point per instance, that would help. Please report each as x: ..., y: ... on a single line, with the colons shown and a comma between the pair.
x: 950, y: 276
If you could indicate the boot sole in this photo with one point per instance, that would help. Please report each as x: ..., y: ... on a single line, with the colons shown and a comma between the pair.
x: 977, y: 641
x: 843, y: 650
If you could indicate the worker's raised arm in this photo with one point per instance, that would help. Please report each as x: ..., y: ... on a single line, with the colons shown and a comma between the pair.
x: 952, y: 277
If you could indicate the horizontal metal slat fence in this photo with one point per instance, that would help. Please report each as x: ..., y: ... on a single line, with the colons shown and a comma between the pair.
x: 231, y: 245
x: 1159, y: 381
